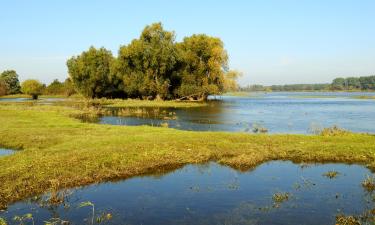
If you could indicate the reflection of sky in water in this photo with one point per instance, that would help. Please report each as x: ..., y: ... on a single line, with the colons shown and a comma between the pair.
x: 278, y: 112
x: 213, y: 194
x: 4, y: 152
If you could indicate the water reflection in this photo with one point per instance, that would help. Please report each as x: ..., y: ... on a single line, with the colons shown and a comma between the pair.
x: 276, y: 113
x: 213, y: 194
x: 4, y: 152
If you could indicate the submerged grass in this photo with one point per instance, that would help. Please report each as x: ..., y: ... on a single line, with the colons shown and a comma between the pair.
x: 59, y: 151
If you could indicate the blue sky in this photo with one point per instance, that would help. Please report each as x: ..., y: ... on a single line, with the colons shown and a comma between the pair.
x: 271, y: 42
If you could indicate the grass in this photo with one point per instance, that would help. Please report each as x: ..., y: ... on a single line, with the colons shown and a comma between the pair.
x: 365, y: 97
x: 58, y: 151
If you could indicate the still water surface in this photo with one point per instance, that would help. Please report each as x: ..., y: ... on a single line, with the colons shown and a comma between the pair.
x: 4, y: 152
x: 278, y: 112
x: 214, y: 194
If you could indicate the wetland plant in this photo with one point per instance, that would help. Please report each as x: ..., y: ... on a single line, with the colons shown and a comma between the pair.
x: 22, y: 219
x: 369, y: 183
x: 3, y: 221
x: 331, y: 174
x: 280, y: 197
x: 89, y: 204
x: 347, y: 220
x: 334, y: 131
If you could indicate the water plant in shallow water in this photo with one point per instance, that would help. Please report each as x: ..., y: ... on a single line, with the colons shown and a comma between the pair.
x: 334, y: 131
x: 369, y: 183
x: 331, y: 174
x: 3, y: 221
x: 280, y: 197
x: 90, y: 204
x: 347, y: 220
x: 56, y: 221
x: 24, y: 218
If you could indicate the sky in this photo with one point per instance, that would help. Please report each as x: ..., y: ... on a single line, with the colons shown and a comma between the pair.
x: 269, y: 41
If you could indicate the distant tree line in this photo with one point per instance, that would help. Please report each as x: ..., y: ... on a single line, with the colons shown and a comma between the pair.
x: 287, y: 87
x: 354, y: 83
x: 155, y: 66
x: 365, y: 83
x: 10, y: 84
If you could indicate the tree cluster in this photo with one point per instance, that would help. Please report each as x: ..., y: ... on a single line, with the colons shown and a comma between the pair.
x: 59, y: 88
x: 155, y: 66
x: 354, y: 83
x: 288, y: 87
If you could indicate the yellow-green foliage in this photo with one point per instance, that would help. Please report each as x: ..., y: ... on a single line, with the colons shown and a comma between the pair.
x: 334, y: 131
x: 58, y: 149
x: 3, y: 221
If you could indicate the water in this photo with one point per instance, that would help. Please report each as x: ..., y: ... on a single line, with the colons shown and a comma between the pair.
x: 213, y: 194
x: 4, y: 152
x: 280, y: 112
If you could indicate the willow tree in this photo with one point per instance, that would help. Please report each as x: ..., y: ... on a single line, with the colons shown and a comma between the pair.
x: 205, y: 62
x: 32, y: 87
x: 147, y: 65
x: 90, y: 73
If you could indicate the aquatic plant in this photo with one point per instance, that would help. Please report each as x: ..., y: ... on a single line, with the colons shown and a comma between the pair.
x: 165, y: 124
x: 22, y: 219
x: 331, y: 174
x: 280, y: 197
x: 258, y: 128
x: 56, y: 221
x: 334, y: 131
x: 347, y: 220
x: 90, y: 204
x: 369, y: 183
x: 3, y: 221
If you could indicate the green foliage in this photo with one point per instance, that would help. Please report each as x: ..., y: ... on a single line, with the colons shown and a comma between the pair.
x: 32, y: 87
x: 10, y: 77
x: 154, y: 66
x: 3, y: 221
x: 147, y: 65
x: 354, y: 83
x: 287, y: 87
x: 22, y: 219
x: 230, y: 84
x: 3, y: 88
x: 204, y: 62
x: 60, y: 88
x: 90, y: 72
x: 338, y: 84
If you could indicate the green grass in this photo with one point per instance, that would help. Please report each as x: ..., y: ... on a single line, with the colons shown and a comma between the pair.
x: 58, y: 151
x: 364, y: 97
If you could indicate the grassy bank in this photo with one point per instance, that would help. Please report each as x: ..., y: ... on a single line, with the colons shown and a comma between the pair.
x: 58, y: 151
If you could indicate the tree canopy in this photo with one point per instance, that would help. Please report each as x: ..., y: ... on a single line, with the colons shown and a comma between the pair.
x: 10, y: 77
x: 32, y: 87
x: 154, y: 66
x: 60, y: 88
x: 354, y: 83
x: 90, y: 72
